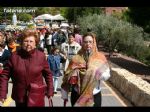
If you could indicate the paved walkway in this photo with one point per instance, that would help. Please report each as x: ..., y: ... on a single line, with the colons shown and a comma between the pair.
x: 110, y: 97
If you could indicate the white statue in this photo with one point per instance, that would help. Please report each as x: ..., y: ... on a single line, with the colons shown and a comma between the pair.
x: 14, y: 19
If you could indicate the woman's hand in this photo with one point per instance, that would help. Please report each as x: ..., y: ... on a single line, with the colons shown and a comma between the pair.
x: 1, y: 65
x: 62, y: 55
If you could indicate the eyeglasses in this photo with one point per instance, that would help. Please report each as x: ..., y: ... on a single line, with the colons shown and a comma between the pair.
x: 90, y: 42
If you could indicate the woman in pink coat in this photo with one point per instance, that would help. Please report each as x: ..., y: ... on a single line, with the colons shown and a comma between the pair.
x: 27, y: 67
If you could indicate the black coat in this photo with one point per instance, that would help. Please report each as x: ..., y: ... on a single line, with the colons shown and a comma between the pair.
x: 5, y: 56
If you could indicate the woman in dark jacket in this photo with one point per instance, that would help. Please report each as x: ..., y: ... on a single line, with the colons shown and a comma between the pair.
x: 27, y: 67
x: 4, y: 53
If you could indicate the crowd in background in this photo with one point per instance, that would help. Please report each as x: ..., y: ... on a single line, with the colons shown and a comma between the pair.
x: 60, y: 43
x: 68, y: 54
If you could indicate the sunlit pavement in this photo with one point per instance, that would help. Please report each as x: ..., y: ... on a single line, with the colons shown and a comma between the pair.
x: 110, y: 97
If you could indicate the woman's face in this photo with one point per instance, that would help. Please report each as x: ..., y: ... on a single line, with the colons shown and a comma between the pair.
x: 29, y: 43
x: 71, y: 39
x: 88, y: 43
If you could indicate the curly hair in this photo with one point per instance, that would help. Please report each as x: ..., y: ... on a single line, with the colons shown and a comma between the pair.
x: 28, y: 32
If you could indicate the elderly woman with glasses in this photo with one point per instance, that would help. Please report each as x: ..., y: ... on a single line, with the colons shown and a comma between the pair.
x: 27, y: 67
x: 84, y: 74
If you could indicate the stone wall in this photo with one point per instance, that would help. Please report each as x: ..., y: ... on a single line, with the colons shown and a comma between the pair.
x: 133, y: 88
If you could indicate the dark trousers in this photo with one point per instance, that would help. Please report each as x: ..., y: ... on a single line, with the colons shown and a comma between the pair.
x: 74, y: 97
x: 97, y: 98
x: 21, y: 104
x: 48, y: 47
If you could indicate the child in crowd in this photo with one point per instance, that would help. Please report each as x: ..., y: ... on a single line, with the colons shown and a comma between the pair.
x: 54, y: 60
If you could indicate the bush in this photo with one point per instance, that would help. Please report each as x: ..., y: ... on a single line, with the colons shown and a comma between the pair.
x: 117, y: 34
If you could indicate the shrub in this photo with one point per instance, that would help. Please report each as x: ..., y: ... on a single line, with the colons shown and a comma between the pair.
x: 117, y: 34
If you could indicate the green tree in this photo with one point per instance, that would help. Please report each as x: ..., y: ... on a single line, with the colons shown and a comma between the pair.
x: 1, y: 13
x: 47, y: 10
x: 55, y: 10
x: 41, y: 10
x: 24, y: 17
x: 116, y: 34
x: 5, y: 16
x: 72, y: 13
x: 63, y: 10
x: 140, y: 16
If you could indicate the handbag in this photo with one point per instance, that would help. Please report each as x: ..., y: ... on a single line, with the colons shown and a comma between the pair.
x: 36, y: 95
x: 73, y: 80
x: 50, y: 103
x: 74, y: 77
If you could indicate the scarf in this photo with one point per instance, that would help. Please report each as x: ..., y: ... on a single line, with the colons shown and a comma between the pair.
x: 13, y: 46
x: 88, y: 72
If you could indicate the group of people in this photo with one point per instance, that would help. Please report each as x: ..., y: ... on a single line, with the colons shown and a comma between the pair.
x: 83, y: 69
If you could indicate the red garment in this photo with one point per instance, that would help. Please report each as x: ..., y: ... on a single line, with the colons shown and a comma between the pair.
x: 1, y: 71
x: 25, y: 68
